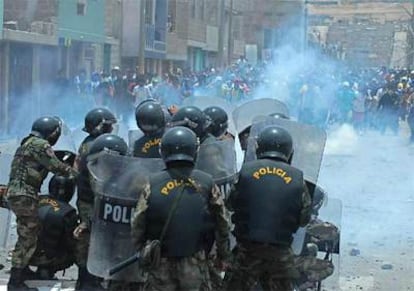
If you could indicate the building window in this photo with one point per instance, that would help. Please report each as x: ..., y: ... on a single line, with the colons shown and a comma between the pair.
x: 81, y: 7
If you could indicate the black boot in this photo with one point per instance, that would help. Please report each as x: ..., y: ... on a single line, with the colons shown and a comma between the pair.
x: 16, y: 281
x: 43, y: 273
x: 28, y: 274
x: 87, y: 282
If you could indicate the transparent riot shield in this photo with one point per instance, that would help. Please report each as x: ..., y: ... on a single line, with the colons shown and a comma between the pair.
x: 5, y: 214
x: 121, y: 129
x: 66, y: 141
x: 219, y: 160
x: 244, y: 115
x: 133, y: 136
x: 326, y: 233
x: 116, y: 181
x: 204, y: 102
x: 308, y: 144
x: 78, y: 136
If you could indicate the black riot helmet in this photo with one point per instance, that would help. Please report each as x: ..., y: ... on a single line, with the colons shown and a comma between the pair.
x: 109, y: 142
x: 179, y: 144
x: 99, y: 121
x: 192, y: 118
x: 62, y: 188
x: 275, y: 143
x: 48, y: 128
x: 150, y: 117
x: 279, y: 115
x: 219, y: 120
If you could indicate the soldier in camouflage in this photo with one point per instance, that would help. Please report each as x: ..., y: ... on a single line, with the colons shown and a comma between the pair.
x: 177, y: 210
x: 31, y: 164
x: 98, y: 121
x: 270, y: 202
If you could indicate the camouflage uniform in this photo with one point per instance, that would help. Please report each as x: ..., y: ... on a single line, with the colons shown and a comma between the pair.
x: 186, y: 273
x: 324, y: 236
x: 85, y: 208
x: 31, y: 164
x: 273, y: 266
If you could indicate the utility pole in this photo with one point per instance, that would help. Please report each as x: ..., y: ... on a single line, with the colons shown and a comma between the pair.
x: 142, y: 32
x: 230, y: 37
x: 222, y: 20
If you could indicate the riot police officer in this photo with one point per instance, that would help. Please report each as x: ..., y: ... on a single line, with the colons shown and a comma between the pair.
x: 114, y: 144
x: 196, y: 120
x: 150, y: 118
x: 56, y: 244
x: 270, y: 203
x: 219, y: 120
x: 32, y: 161
x: 98, y: 121
x: 177, y: 210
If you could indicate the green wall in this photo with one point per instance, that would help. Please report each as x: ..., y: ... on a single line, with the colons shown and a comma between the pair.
x: 89, y: 27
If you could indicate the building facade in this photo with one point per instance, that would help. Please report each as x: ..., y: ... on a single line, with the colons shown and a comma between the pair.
x: 205, y: 33
x: 155, y: 33
x: 40, y: 38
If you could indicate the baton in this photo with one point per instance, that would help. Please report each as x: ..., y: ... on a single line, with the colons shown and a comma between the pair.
x: 122, y: 265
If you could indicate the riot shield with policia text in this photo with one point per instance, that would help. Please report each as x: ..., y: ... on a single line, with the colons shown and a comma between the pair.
x: 116, y: 180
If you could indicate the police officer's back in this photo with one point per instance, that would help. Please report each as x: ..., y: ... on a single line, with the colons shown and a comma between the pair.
x: 56, y: 244
x: 150, y: 119
x: 270, y: 203
x: 181, y: 207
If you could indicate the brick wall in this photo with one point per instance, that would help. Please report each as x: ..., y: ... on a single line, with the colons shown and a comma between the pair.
x: 27, y: 12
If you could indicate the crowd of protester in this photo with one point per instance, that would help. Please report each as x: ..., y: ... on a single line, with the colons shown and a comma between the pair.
x: 376, y: 99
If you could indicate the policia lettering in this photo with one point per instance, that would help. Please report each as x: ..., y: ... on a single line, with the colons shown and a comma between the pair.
x: 172, y: 184
x: 149, y: 144
x: 114, y: 211
x: 53, y: 203
x: 272, y: 171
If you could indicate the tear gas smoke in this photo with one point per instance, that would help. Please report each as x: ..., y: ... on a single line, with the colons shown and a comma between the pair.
x: 342, y: 141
